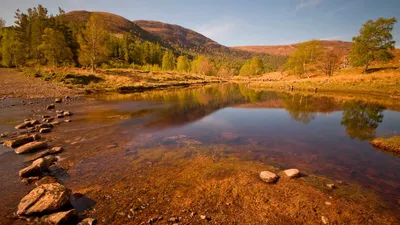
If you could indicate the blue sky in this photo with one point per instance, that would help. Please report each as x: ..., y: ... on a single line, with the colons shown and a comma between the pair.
x: 240, y: 22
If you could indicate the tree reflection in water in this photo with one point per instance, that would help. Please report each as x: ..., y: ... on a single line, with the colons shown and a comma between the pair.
x: 361, y: 119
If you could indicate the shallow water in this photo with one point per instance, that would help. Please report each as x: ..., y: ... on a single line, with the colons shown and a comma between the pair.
x: 319, y: 135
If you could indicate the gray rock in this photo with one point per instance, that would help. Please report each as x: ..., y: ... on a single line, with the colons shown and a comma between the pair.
x: 58, y: 100
x: 324, y: 220
x: 51, y: 106
x: 24, y: 125
x: 55, y: 123
x: 45, y: 130
x: 88, y: 221
x: 67, y: 217
x: 331, y: 186
x: 269, y: 177
x: 292, y: 173
x: 67, y: 113
x: 18, y: 141
x: 30, y: 147
x: 35, y: 169
x: 44, y: 199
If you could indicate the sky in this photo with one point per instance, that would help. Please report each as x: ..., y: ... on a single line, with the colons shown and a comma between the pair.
x: 240, y: 22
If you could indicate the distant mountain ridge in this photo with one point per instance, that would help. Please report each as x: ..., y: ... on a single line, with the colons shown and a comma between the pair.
x: 286, y: 50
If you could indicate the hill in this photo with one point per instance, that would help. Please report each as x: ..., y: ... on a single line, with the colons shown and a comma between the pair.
x: 286, y: 50
x: 116, y: 24
x: 181, y: 37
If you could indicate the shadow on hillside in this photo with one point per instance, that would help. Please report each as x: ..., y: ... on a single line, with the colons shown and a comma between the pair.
x: 81, y: 79
x: 373, y: 70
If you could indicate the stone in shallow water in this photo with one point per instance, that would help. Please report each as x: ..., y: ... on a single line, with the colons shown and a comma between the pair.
x: 44, y: 130
x: 30, y: 147
x: 44, y: 199
x: 67, y: 217
x: 87, y: 221
x: 292, y: 173
x: 18, y: 141
x: 269, y: 177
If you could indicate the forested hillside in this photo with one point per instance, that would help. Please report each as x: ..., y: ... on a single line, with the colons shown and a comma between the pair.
x: 100, y: 39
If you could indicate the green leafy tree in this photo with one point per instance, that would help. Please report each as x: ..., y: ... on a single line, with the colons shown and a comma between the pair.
x: 302, y: 60
x: 11, y: 48
x: 93, y: 42
x: 373, y: 43
x: 54, y: 47
x: 245, y: 70
x: 168, y: 60
x: 182, y: 64
x: 256, y: 66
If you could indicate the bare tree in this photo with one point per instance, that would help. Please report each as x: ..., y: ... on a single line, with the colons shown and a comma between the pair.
x: 330, y: 61
x: 2, y: 23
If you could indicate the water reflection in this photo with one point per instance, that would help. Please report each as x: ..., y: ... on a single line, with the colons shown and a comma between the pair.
x: 317, y: 134
x: 361, y: 119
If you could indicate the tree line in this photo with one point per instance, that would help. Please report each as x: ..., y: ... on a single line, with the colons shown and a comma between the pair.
x: 373, y: 44
x: 42, y: 39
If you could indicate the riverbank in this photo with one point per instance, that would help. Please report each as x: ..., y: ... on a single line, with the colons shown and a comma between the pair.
x: 380, y: 81
x: 117, y: 80
x: 175, y: 179
x: 390, y: 144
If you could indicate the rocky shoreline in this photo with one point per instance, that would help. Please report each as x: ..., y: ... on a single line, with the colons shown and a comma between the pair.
x: 49, y: 202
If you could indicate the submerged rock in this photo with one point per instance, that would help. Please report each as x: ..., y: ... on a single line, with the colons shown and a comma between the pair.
x: 67, y: 217
x: 292, y: 173
x: 57, y: 100
x: 51, y: 106
x: 30, y: 147
x: 44, y: 199
x: 55, y: 123
x: 269, y: 177
x: 45, y: 130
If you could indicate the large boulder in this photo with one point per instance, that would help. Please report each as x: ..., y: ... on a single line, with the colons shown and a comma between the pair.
x: 30, y: 147
x: 63, y: 218
x: 18, y: 141
x: 44, y: 199
x: 269, y: 177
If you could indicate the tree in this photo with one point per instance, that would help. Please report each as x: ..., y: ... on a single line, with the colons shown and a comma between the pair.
x: 2, y: 23
x: 182, y: 64
x: 93, y: 42
x: 11, y: 48
x: 256, y: 66
x: 206, y: 67
x: 168, y: 60
x: 330, y: 61
x: 306, y: 54
x: 54, y: 47
x: 245, y: 70
x: 373, y: 42
x: 196, y: 63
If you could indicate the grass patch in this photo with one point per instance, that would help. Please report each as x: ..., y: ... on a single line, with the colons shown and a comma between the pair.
x: 391, y: 144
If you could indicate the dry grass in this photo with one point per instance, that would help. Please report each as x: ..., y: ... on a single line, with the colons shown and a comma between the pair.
x: 122, y: 80
x: 382, y: 81
x: 391, y: 144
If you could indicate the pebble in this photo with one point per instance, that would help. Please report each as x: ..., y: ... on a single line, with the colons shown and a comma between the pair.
x: 324, y: 220
x: 44, y: 130
x: 51, y: 106
x: 328, y: 203
x: 331, y: 186
x: 292, y: 173
x: 269, y: 177
x: 68, y: 121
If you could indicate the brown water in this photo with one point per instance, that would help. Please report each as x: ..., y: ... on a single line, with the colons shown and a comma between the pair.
x: 106, y: 146
x: 319, y: 135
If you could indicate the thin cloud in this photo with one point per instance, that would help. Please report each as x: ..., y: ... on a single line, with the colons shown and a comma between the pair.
x: 218, y: 30
x: 308, y: 3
